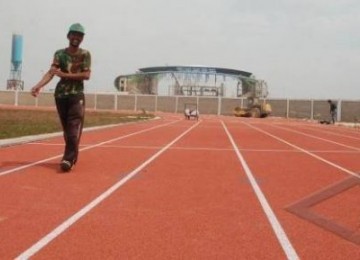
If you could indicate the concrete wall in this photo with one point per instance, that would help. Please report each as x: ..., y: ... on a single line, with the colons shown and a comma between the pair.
x: 348, y: 110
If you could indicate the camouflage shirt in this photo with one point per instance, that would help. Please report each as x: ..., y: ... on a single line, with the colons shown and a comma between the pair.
x: 71, y: 63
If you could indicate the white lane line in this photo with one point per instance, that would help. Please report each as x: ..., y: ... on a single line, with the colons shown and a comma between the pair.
x: 275, y: 224
x: 83, y: 149
x: 317, y: 137
x: 82, y: 212
x: 306, y: 152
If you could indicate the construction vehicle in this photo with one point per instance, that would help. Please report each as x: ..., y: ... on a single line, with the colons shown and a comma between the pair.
x: 253, y: 93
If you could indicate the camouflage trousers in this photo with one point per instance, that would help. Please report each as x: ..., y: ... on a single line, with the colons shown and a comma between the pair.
x: 71, y: 111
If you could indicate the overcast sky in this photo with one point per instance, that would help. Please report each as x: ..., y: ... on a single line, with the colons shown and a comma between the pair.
x: 302, y: 48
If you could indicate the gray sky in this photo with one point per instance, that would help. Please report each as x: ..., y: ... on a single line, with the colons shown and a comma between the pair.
x: 302, y: 48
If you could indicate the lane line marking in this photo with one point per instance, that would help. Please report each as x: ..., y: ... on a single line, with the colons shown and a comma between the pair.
x: 303, y: 209
x: 82, y: 212
x: 84, y: 149
x: 317, y: 137
x: 275, y: 224
x: 205, y: 148
x: 330, y: 133
x: 305, y: 151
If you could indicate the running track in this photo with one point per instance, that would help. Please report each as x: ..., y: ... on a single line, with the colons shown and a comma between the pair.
x: 217, y: 188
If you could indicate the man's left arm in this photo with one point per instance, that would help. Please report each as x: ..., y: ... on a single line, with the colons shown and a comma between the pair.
x: 84, y: 75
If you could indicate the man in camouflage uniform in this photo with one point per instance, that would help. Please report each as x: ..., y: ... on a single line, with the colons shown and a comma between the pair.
x: 72, y: 65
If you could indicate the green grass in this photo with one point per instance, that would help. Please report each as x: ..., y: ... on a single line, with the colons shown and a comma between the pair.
x: 21, y: 122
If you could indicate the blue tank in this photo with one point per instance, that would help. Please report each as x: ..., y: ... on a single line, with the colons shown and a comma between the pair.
x: 16, y: 51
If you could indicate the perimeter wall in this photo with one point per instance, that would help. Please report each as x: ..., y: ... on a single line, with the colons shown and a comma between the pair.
x: 348, y: 110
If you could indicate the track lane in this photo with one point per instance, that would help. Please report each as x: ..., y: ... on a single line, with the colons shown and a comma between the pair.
x: 187, y: 204
x: 290, y: 176
x: 275, y: 224
x: 332, y: 152
x: 38, y: 198
x: 335, y: 130
x: 346, y: 141
x: 92, y: 138
x: 285, y: 174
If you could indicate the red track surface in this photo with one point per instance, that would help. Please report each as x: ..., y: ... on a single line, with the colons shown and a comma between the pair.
x: 219, y: 188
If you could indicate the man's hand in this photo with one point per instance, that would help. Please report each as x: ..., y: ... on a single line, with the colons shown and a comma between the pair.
x: 35, y: 91
x: 57, y: 72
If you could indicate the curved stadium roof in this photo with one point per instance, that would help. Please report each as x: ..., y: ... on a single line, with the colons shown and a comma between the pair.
x: 196, y: 69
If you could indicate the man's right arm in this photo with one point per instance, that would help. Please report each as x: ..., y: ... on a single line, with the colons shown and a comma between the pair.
x: 45, y: 80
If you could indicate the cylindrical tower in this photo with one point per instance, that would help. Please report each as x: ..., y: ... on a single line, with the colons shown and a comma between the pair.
x: 15, y: 82
x: 16, y: 51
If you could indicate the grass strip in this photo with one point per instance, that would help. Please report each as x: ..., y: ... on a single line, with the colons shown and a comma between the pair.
x: 22, y: 122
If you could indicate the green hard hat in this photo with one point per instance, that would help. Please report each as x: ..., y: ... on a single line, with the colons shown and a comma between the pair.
x: 76, y: 27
